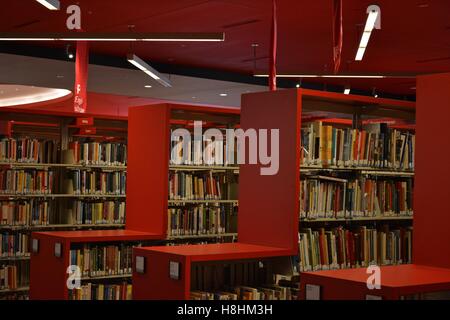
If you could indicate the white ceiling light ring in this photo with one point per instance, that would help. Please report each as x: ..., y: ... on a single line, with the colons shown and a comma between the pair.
x: 19, y: 95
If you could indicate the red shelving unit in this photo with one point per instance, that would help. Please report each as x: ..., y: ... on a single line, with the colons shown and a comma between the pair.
x: 268, y: 205
x: 49, y: 273
x: 148, y: 160
x: 396, y: 281
x: 430, y: 271
x: 146, y: 217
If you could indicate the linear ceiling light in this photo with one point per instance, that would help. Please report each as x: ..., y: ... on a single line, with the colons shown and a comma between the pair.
x: 145, y: 67
x: 50, y: 4
x: 373, y: 22
x: 114, y: 36
x: 347, y: 90
x: 343, y: 76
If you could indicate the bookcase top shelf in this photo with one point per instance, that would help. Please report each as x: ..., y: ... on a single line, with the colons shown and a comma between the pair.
x: 218, y: 251
x: 63, y: 226
x: 26, y: 165
x: 400, y: 276
x: 97, y: 235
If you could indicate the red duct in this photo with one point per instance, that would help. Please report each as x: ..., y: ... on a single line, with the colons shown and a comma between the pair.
x: 338, y: 34
x: 273, y: 50
x: 81, y: 77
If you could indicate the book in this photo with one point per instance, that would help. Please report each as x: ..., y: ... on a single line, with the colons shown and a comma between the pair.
x: 98, y: 153
x: 28, y: 150
x: 100, y: 291
x: 343, y: 248
x: 96, y: 212
x: 99, y: 182
x: 375, y: 145
x: 199, y: 186
x: 27, y: 181
x: 14, y: 276
x: 30, y: 212
x: 102, y: 260
x: 15, y: 244
x: 197, y: 220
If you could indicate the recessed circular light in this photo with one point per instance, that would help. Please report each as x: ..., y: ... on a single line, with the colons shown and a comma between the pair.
x: 71, y: 56
x: 297, y: 85
x: 148, y: 86
x: 223, y: 94
x: 27, y: 95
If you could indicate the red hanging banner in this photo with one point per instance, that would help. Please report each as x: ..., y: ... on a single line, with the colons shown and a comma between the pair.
x: 81, y: 76
x: 273, y: 50
x: 338, y: 34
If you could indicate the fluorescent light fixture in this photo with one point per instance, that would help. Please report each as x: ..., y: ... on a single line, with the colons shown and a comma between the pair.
x: 148, y: 86
x: 113, y: 36
x: 373, y: 22
x: 223, y: 94
x: 145, y: 67
x: 349, y: 76
x: 50, y: 4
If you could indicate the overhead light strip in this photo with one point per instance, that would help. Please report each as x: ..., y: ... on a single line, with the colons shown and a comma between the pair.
x: 340, y: 76
x: 131, y: 36
x: 373, y: 22
x: 50, y: 4
x: 146, y: 68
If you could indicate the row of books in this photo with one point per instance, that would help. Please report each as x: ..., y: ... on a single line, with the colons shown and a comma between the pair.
x: 343, y: 248
x: 375, y: 197
x: 362, y: 197
x: 29, y: 212
x: 197, y: 220
x: 322, y: 199
x: 99, y: 153
x: 102, y: 260
x: 99, y: 291
x: 14, y: 276
x: 26, y: 181
x: 97, y: 212
x: 28, y: 150
x: 14, y: 245
x: 186, y: 186
x: 375, y: 145
x: 188, y: 151
x: 98, y: 182
x: 273, y: 292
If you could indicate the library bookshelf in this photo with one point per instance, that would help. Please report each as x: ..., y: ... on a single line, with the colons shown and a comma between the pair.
x: 148, y: 185
x: 146, y: 199
x: 429, y: 272
x: 261, y: 233
x: 49, y: 269
x: 268, y: 217
x: 37, y: 145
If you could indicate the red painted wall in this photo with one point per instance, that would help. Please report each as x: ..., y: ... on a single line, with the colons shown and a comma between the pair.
x: 431, y: 243
x: 269, y: 205
x: 147, y: 174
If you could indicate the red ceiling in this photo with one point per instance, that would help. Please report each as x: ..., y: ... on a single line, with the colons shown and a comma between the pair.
x: 415, y: 34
